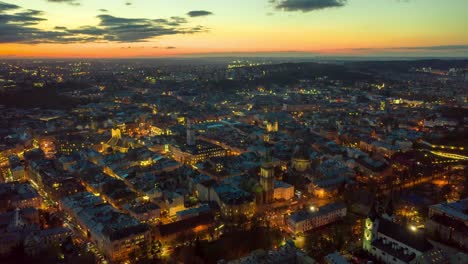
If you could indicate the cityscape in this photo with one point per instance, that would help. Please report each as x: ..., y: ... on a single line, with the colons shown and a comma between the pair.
x: 128, y: 136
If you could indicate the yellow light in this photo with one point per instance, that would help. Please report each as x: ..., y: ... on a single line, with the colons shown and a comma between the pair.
x: 146, y: 198
x: 413, y: 228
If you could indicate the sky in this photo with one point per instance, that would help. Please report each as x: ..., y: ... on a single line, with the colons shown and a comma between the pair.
x: 162, y: 28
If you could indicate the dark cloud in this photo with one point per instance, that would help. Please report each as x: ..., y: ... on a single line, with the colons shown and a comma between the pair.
x: 170, y: 47
x: 6, y: 6
x: 128, y: 3
x: 103, y: 10
x: 198, y: 13
x: 130, y: 47
x: 141, y: 29
x: 70, y: 2
x: 436, y: 48
x: 441, y: 48
x: 21, y: 27
x: 306, y: 5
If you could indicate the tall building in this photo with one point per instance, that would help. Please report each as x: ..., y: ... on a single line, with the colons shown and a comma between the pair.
x: 267, y: 177
x: 190, y: 134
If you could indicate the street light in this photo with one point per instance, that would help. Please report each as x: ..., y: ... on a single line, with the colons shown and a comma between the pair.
x: 313, y: 208
x: 413, y: 228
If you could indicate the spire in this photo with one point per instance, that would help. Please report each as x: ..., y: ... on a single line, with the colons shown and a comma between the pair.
x: 267, y: 158
x: 373, y: 214
x: 190, y: 134
x: 390, y: 209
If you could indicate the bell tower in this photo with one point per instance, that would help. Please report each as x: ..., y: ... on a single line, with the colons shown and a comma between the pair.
x: 267, y: 177
x: 370, y: 228
x: 190, y: 134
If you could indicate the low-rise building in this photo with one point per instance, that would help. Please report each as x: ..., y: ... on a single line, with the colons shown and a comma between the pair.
x: 193, y: 154
x: 283, y: 191
x: 305, y: 220
x: 284, y: 254
x: 448, y: 222
x: 144, y: 211
x: 335, y: 258
x: 392, y: 243
x: 18, y: 195
x: 117, y: 235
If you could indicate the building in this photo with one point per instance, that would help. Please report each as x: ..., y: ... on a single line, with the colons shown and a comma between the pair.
x: 283, y: 191
x: 448, y: 222
x: 287, y: 253
x: 199, y: 152
x: 118, y: 143
x: 168, y: 233
x: 118, y: 236
x: 390, y: 242
x: 335, y: 258
x: 190, y: 134
x: 18, y: 195
x: 267, y: 177
x: 192, y: 212
x: 173, y: 203
x: 234, y: 202
x: 300, y: 160
x: 305, y: 220
x: 40, y: 240
x: 145, y: 212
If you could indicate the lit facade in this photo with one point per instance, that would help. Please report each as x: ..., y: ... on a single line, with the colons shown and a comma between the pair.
x: 303, y: 221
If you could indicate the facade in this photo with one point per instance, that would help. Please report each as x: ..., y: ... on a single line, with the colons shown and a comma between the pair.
x: 303, y: 221
x: 300, y: 160
x: 117, y: 235
x: 449, y: 223
x: 144, y: 212
x: 193, y: 154
x: 118, y: 143
x: 18, y: 195
x: 283, y: 191
x: 390, y: 242
x: 174, y: 203
x: 284, y: 254
x: 42, y: 239
x: 233, y: 202
x: 335, y: 258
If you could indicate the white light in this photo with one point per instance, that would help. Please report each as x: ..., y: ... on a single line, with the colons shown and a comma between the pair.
x: 413, y: 228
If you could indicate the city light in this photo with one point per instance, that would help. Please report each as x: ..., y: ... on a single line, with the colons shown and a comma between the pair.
x: 179, y: 134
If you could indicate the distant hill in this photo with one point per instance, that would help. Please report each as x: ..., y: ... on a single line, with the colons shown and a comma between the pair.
x: 46, y: 97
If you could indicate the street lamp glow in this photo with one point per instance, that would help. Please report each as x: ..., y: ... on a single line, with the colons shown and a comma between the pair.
x: 413, y: 228
x: 313, y: 208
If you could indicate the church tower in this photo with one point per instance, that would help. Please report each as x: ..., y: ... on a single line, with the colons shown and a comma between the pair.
x: 190, y: 134
x: 389, y: 211
x: 370, y: 228
x: 267, y: 177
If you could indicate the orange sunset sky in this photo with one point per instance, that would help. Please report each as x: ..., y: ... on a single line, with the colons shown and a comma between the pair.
x: 157, y: 28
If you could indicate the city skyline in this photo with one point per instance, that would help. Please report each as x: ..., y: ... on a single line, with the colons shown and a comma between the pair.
x: 139, y: 28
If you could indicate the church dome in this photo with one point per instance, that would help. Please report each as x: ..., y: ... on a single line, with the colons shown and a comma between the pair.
x: 301, y: 153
